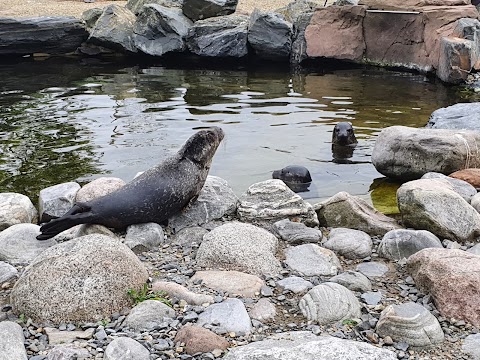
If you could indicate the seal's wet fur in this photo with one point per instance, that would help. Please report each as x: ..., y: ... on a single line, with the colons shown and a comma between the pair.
x: 154, y: 196
x: 343, y: 134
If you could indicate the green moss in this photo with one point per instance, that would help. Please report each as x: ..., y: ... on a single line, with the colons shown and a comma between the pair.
x: 383, y: 193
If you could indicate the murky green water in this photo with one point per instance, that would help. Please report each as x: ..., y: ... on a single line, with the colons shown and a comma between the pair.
x: 63, y: 121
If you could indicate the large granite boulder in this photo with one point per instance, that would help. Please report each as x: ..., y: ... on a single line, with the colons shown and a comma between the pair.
x: 433, y: 205
x: 98, y: 187
x: 53, y: 35
x: 16, y: 209
x: 269, y: 201
x: 406, y: 153
x: 270, y: 36
x: 84, y: 279
x: 223, y: 36
x: 114, y: 29
x: 346, y: 211
x: 204, y: 9
x: 461, y: 116
x: 452, y: 277
x: 160, y: 30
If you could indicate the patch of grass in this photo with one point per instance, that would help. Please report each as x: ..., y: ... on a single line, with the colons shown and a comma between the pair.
x: 349, y: 322
x: 146, y: 293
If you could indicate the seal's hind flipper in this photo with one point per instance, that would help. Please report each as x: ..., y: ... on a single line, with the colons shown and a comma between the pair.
x: 78, y: 214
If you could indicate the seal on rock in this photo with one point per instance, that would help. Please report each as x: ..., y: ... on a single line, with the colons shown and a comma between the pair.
x: 154, y: 196
x: 296, y: 177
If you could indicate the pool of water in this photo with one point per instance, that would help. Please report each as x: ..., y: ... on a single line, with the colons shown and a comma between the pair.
x: 69, y: 120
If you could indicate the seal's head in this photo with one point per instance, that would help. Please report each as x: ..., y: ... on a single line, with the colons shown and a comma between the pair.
x: 296, y: 177
x: 201, y: 146
x: 343, y: 134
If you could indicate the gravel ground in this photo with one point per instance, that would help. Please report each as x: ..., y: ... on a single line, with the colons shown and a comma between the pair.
x: 34, y: 8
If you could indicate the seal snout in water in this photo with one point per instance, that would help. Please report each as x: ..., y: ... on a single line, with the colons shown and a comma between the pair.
x: 296, y: 177
x: 154, y: 196
x: 343, y: 134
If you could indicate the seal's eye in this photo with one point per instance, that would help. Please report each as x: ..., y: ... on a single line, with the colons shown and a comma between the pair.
x: 350, y: 130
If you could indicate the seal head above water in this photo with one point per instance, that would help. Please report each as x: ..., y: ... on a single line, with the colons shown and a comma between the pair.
x: 296, y: 177
x: 343, y: 134
x: 154, y: 196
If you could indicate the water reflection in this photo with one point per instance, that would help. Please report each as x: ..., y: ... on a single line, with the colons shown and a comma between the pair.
x: 65, y: 121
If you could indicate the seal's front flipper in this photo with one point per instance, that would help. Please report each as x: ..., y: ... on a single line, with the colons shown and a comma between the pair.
x: 78, y: 214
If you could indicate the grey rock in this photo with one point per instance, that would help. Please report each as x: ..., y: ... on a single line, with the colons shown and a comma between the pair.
x: 125, y: 348
x: 347, y: 211
x: 56, y: 200
x: 53, y: 35
x: 85, y: 229
x: 471, y: 346
x: 269, y: 201
x: 456, y: 59
x: 296, y: 233
x: 227, y: 316
x: 18, y: 244
x: 56, y: 336
x: 136, y: 5
x: 312, y: 260
x: 474, y: 249
x: 7, y: 272
x: 461, y: 116
x: 242, y: 247
x: 98, y: 187
x: 299, y: 44
x: 462, y: 188
x: 114, y: 29
x: 160, y: 30
x: 147, y: 315
x: 68, y: 352
x: 232, y: 282
x: 90, y: 17
x: 11, y: 341
x: 433, y: 205
x: 475, y: 202
x: 16, y: 209
x: 372, y: 297
x: 224, y: 36
x: 270, y: 36
x: 410, y: 323
x: 401, y: 243
x: 304, y: 345
x: 406, y: 153
x: 328, y: 303
x: 294, y: 284
x: 216, y: 200
x: 353, y: 280
x: 57, y: 286
x: 189, y: 236
x: 144, y: 237
x: 372, y: 269
x: 180, y: 292
x: 203, y: 9
x: 263, y: 311
x: 346, y: 2
x: 294, y: 10
x: 350, y: 243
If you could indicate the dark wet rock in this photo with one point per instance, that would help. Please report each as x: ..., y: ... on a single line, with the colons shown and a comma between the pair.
x: 347, y: 211
x: 299, y: 44
x: 270, y: 37
x: 462, y: 188
x: 410, y: 323
x: 406, y: 153
x: 231, y: 282
x: 53, y: 35
x: 242, y: 247
x: 82, y: 293
x: 304, y: 345
x: 147, y: 315
x: 11, y: 341
x: 160, y: 30
x: 180, y: 292
x: 90, y: 17
x: 263, y: 311
x: 203, y: 9
x: 401, y: 243
x: 223, y: 37
x: 227, y: 316
x: 296, y: 233
x: 200, y: 340
x: 350, y: 243
x: 452, y: 277
x: 114, y: 29
x: 126, y: 349
x: 372, y: 269
x: 312, y: 260
x: 353, y: 280
x: 16, y: 209
x: 19, y: 245
x: 56, y: 200
x: 295, y: 284
x: 461, y: 116
x: 97, y: 188
x: 328, y: 303
x: 433, y: 205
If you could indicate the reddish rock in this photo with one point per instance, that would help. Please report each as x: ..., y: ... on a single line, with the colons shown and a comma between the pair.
x: 455, y: 62
x: 452, y: 277
x: 336, y: 32
x: 409, y: 4
x: 198, y: 339
x: 472, y: 176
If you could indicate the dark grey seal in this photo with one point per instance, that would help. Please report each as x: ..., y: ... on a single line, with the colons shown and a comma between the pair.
x: 154, y: 196
x: 296, y: 177
x: 343, y: 142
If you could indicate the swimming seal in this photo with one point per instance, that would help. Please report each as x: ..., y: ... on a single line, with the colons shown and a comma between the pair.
x: 343, y: 134
x: 154, y: 196
x: 296, y: 177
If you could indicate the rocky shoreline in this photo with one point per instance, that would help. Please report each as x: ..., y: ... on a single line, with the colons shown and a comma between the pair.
x: 244, y: 278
